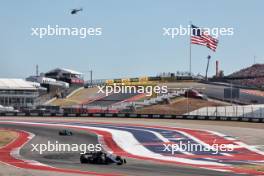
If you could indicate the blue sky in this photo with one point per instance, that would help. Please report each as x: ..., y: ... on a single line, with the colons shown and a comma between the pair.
x: 132, y: 43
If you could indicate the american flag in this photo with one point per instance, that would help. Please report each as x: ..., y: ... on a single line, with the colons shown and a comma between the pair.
x: 198, y: 37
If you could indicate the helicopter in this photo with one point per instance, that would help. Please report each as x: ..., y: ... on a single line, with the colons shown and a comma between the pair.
x: 75, y: 11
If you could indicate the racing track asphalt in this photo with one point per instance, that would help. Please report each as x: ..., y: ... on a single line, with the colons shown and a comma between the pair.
x: 70, y: 160
x: 216, y: 91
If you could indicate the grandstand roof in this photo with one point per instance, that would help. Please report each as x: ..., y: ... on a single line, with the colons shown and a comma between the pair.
x: 15, y: 84
x: 66, y: 70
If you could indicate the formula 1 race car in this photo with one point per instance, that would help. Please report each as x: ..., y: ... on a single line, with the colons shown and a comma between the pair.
x: 101, y: 158
x: 65, y: 133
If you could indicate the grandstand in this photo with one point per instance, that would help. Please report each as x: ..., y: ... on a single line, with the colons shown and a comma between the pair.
x: 251, y: 76
x: 17, y: 92
x: 111, y: 99
x: 47, y: 81
x: 80, y: 96
x: 59, y: 82
x: 70, y: 76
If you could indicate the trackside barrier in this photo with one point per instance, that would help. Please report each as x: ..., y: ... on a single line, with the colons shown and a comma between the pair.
x: 131, y: 115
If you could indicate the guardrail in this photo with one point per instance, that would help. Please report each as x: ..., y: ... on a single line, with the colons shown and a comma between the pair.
x: 131, y: 115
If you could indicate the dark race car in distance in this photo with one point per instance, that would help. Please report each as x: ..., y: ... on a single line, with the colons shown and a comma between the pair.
x: 65, y: 133
x: 101, y: 158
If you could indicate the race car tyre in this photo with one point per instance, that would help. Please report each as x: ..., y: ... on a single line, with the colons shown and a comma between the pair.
x: 119, y: 160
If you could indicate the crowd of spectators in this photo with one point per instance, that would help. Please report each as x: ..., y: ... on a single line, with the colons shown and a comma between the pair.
x: 252, y: 76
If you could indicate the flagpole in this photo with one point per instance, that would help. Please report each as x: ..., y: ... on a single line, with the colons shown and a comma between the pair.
x: 190, y: 66
x: 190, y: 50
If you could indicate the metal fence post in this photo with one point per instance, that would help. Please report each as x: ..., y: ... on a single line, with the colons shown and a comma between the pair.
x: 251, y: 111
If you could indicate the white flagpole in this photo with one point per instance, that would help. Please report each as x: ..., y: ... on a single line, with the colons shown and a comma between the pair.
x: 190, y: 50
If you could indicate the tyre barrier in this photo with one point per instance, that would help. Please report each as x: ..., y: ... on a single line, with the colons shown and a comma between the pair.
x: 132, y: 115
